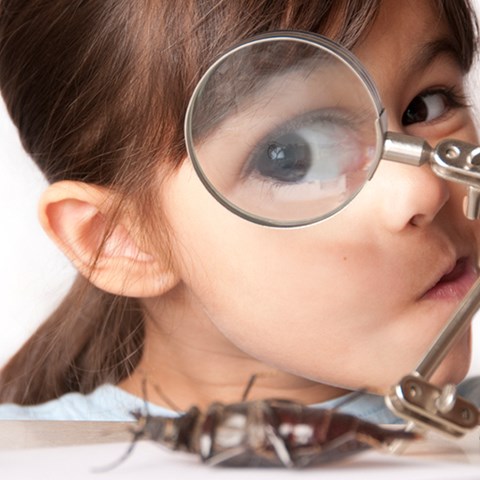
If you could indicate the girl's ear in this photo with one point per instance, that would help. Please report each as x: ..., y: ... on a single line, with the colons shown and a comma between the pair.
x: 76, y: 216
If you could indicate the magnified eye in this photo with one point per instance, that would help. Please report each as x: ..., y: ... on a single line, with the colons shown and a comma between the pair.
x: 286, y: 159
x: 319, y: 150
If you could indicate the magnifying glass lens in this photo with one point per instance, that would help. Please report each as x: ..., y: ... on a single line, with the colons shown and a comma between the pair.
x: 283, y: 131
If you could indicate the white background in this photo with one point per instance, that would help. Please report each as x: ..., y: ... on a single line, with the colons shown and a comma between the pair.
x: 34, y: 276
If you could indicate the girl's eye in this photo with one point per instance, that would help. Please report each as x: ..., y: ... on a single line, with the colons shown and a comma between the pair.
x: 317, y: 151
x: 287, y: 158
x: 430, y: 106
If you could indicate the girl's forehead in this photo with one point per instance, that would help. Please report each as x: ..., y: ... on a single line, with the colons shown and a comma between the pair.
x: 407, y: 36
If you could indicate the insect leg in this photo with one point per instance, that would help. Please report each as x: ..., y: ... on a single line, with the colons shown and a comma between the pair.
x: 226, y: 455
x: 137, y: 435
x: 279, y: 446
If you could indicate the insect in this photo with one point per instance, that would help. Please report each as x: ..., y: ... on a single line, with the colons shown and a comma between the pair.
x: 266, y: 433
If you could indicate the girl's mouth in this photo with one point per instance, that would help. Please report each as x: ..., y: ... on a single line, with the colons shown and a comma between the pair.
x: 455, y: 284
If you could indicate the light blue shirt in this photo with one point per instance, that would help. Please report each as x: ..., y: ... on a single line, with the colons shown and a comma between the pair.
x: 111, y: 403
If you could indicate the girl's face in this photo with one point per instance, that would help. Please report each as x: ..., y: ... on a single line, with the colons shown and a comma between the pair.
x: 356, y: 300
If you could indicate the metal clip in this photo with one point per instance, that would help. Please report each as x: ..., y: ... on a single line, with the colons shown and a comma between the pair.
x: 427, y: 406
x: 452, y: 160
x: 459, y: 162
x: 414, y: 398
x: 431, y: 407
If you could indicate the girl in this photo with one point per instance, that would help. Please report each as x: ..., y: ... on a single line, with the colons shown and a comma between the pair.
x: 176, y: 289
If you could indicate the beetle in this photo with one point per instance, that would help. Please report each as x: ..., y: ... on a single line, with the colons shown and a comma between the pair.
x: 265, y: 433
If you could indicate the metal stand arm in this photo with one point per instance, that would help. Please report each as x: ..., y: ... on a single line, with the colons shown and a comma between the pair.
x: 414, y: 398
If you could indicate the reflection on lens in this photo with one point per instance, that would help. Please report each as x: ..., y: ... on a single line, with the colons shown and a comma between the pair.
x: 283, y: 131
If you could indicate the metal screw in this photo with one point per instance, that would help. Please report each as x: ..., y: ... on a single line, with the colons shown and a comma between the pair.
x: 414, y: 390
x: 452, y: 152
x: 446, y: 400
x: 466, y: 414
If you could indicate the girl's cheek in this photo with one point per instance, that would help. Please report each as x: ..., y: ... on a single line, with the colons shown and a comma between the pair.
x: 460, y: 126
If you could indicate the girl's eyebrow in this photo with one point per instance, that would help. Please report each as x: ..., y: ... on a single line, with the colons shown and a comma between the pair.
x: 430, y: 51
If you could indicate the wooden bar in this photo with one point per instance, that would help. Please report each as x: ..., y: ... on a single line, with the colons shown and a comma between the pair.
x: 16, y: 434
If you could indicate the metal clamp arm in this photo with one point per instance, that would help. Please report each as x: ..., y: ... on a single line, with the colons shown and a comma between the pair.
x: 427, y: 405
x: 414, y: 398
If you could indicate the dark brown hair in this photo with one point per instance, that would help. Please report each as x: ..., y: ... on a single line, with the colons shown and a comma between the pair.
x: 98, y: 90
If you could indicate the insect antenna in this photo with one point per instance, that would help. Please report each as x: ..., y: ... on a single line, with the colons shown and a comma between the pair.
x: 166, y: 399
x: 253, y: 378
x: 249, y: 386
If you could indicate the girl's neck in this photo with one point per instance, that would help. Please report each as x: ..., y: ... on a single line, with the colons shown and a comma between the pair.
x: 186, y: 361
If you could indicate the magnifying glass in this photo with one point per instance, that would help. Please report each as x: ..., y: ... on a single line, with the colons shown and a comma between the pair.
x: 286, y: 129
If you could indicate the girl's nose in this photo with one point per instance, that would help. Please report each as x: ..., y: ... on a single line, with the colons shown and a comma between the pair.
x: 411, y: 196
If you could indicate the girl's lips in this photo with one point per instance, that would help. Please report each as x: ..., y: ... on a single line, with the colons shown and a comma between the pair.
x: 455, y: 284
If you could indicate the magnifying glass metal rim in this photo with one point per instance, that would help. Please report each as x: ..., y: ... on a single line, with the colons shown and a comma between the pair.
x: 318, y: 41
